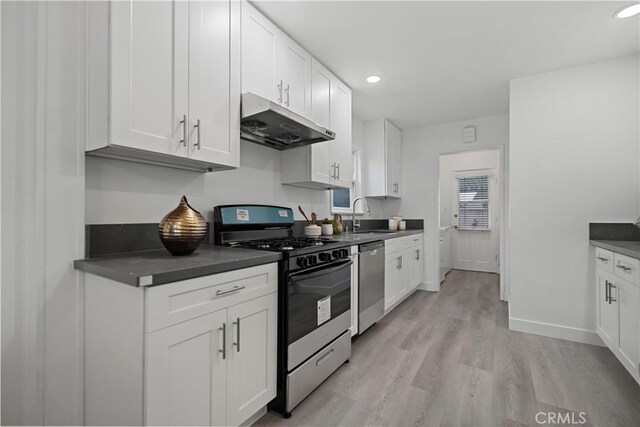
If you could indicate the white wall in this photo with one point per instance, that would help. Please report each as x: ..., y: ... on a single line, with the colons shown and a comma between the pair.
x: 42, y: 211
x: 573, y: 160
x: 475, y: 160
x: 420, y: 151
x: 125, y: 192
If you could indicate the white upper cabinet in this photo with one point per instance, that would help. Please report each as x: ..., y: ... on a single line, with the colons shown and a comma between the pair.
x: 326, y: 164
x: 156, y: 71
x: 273, y: 65
x: 383, y: 159
x: 149, y: 75
x: 259, y: 54
x: 214, y: 57
x: 341, y: 156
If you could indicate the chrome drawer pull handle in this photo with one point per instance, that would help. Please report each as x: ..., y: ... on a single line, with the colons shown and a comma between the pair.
x: 228, y: 291
x: 323, y: 358
x: 224, y: 341
x: 183, y: 122
x: 603, y: 259
x: 623, y: 267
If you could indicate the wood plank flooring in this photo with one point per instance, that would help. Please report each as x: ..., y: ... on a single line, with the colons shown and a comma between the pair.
x: 448, y: 359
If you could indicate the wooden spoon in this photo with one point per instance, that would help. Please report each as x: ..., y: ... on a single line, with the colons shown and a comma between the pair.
x: 303, y: 214
x: 314, y: 218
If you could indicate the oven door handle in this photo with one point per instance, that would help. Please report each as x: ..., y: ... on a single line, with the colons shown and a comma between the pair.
x: 320, y: 271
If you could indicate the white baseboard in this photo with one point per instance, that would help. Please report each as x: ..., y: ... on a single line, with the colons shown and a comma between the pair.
x: 428, y: 286
x: 255, y: 417
x: 555, y: 331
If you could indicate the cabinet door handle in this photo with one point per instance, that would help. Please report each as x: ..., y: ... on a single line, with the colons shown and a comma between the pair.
x: 223, y: 328
x: 611, y: 299
x: 280, y: 92
x: 606, y: 291
x: 338, y: 169
x: 623, y: 267
x: 228, y: 291
x: 603, y: 259
x: 333, y: 170
x: 237, y: 344
x: 287, y: 92
x: 183, y: 122
x: 197, y: 126
x: 418, y: 253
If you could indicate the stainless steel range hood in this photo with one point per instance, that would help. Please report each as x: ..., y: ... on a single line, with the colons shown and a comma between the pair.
x: 267, y: 123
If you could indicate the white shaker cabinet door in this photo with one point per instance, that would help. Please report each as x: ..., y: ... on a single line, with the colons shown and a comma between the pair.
x: 607, y: 310
x: 186, y: 373
x: 252, y: 357
x: 413, y: 257
x: 149, y: 70
x: 341, y: 125
x: 293, y: 68
x: 259, y: 55
x: 394, y: 160
x: 391, y: 276
x: 628, y: 344
x: 214, y: 105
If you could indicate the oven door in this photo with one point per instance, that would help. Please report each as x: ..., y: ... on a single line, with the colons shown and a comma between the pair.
x: 318, y: 308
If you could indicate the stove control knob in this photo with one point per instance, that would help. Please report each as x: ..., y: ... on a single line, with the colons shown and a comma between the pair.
x: 337, y: 253
x: 302, y: 262
x: 325, y: 256
x: 313, y: 260
x: 345, y: 253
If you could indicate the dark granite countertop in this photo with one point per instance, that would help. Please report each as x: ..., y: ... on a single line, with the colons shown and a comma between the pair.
x: 625, y: 247
x: 372, y: 236
x: 159, y: 266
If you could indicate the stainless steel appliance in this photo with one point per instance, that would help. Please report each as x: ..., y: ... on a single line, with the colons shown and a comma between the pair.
x: 267, y: 123
x: 314, y: 296
x: 371, y: 286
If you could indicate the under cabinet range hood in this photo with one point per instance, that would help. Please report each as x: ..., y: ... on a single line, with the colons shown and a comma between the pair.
x: 267, y: 123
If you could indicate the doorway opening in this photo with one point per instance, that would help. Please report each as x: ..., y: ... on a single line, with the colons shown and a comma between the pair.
x: 470, y: 213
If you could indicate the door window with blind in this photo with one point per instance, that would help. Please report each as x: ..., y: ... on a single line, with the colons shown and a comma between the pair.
x: 473, y: 203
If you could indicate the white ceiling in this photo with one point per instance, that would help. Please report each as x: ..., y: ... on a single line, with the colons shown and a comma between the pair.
x: 449, y: 61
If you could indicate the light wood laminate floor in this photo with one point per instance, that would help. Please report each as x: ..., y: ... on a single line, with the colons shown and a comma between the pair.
x: 448, y: 359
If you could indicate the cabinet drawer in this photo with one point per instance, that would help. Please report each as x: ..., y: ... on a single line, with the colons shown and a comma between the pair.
x: 627, y: 268
x: 314, y: 371
x: 395, y: 245
x: 180, y: 301
x: 414, y: 240
x: 604, y: 259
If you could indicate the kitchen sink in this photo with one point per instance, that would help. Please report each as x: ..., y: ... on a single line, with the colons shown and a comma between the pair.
x: 373, y: 231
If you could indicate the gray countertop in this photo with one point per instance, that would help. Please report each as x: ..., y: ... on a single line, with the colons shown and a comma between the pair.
x: 159, y: 267
x: 630, y: 248
x: 366, y: 237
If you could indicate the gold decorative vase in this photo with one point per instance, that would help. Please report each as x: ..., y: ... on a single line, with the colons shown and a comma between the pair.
x: 183, y: 229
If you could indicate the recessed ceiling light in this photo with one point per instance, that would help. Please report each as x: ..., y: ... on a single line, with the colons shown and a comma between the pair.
x: 373, y: 79
x: 628, y: 11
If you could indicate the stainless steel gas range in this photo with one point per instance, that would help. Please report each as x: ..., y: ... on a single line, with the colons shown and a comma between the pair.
x: 314, y: 295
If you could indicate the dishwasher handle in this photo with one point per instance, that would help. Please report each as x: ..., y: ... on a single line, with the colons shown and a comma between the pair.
x: 368, y: 247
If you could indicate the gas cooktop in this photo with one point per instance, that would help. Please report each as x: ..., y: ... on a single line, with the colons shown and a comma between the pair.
x: 283, y: 244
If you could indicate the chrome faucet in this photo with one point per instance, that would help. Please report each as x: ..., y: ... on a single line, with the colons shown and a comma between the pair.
x: 356, y: 223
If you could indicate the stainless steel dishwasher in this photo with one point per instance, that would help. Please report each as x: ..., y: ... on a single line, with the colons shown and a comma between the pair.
x: 371, y: 286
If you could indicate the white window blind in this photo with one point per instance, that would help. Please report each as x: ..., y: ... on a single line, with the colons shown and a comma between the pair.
x: 473, y: 212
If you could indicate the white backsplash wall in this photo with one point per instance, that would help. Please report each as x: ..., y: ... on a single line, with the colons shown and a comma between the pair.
x: 126, y: 192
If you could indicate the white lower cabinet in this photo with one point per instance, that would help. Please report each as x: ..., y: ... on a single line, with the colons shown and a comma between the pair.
x: 403, y: 268
x: 618, y: 309
x: 197, y: 352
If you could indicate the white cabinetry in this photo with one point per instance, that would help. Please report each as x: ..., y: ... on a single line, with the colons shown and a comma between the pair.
x: 184, y: 353
x: 324, y: 164
x: 383, y: 159
x: 273, y: 65
x: 164, y: 83
x: 404, y: 268
x: 618, y: 307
